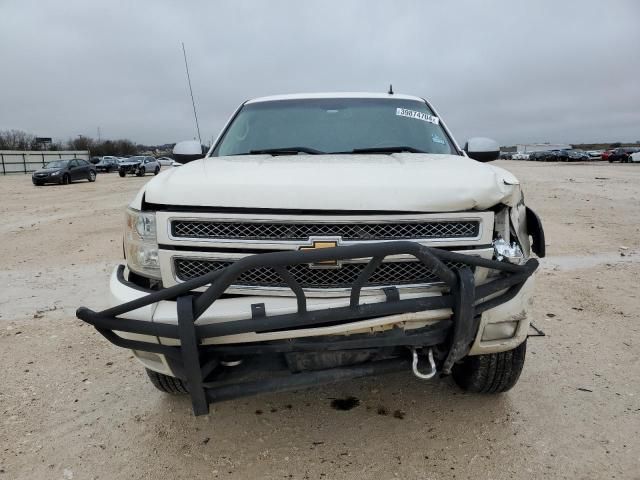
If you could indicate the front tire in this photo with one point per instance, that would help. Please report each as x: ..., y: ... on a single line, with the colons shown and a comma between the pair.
x: 121, y: 173
x: 140, y: 172
x: 156, y: 171
x: 66, y: 179
x: 167, y: 384
x: 491, y: 373
x: 92, y: 176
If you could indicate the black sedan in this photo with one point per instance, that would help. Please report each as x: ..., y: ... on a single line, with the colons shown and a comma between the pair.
x: 64, y: 172
x: 578, y: 156
x: 107, y: 165
x: 543, y: 156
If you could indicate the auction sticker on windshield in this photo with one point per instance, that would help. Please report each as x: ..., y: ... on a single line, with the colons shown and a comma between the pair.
x: 425, y: 117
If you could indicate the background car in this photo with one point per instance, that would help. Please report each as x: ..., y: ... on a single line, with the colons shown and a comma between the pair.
x: 140, y: 165
x: 595, y: 153
x: 108, y: 164
x: 622, y: 155
x: 559, y: 156
x: 605, y: 155
x: 635, y: 157
x: 165, y: 161
x: 578, y: 155
x: 544, y: 156
x: 64, y: 172
x: 520, y: 156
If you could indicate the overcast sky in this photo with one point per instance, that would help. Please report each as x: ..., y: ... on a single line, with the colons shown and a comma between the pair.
x: 516, y: 71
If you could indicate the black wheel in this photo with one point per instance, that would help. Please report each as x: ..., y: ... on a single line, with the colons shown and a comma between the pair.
x: 140, y: 172
x: 121, y: 173
x: 491, y: 373
x: 92, y: 176
x: 66, y: 179
x: 167, y: 384
x: 156, y: 171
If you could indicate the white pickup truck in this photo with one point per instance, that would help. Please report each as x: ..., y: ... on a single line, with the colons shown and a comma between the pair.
x: 326, y: 237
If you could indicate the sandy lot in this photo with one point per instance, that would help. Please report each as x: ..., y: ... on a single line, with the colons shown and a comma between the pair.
x: 74, y: 406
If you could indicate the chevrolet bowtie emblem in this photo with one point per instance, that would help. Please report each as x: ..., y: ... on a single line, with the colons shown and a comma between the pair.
x: 322, y: 244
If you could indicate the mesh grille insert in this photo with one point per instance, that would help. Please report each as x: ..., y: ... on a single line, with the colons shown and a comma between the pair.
x: 390, y: 273
x: 302, y: 231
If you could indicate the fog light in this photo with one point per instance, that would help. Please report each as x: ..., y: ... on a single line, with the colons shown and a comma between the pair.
x: 499, y: 331
x: 149, y: 356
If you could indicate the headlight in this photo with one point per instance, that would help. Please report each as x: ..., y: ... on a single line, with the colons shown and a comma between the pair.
x: 141, y: 243
x: 508, y: 253
x: 55, y: 173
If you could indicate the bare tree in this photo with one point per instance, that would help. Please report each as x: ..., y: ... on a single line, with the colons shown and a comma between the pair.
x: 19, y: 140
x: 16, y: 140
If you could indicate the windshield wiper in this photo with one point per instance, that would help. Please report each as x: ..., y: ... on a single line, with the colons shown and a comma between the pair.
x: 387, y: 150
x: 286, y: 151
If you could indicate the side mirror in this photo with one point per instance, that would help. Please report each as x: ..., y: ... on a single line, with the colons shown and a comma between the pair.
x: 482, y: 149
x: 187, y: 151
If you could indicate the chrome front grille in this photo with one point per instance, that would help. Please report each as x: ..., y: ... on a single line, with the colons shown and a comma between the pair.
x: 273, y: 231
x: 388, y: 273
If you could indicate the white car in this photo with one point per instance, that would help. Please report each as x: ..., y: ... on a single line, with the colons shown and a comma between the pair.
x: 326, y: 237
x: 635, y: 157
x: 139, y: 165
x: 165, y: 161
x: 520, y: 156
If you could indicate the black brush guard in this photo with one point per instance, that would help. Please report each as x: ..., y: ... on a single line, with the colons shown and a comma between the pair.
x: 466, y: 300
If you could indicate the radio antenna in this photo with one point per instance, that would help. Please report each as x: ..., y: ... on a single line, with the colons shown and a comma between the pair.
x: 195, y: 114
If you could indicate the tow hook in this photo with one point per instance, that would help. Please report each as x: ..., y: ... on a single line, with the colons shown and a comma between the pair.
x: 432, y: 365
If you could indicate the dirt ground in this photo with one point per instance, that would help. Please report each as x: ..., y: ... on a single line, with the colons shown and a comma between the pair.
x: 75, y: 407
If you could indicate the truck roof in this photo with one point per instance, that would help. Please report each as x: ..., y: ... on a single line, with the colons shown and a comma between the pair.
x: 302, y: 96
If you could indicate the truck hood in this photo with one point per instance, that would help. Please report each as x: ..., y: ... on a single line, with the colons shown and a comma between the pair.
x: 406, y: 182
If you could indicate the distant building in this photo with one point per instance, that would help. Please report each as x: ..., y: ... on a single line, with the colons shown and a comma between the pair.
x: 541, y: 147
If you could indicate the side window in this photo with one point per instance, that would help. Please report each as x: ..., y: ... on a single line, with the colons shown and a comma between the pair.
x: 82, y: 163
x: 73, y: 163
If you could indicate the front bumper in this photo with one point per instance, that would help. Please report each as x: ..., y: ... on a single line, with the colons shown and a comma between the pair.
x: 129, y: 168
x: 449, y: 318
x: 45, y: 178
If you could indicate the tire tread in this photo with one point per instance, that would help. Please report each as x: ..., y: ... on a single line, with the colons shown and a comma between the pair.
x: 167, y: 384
x: 491, y: 373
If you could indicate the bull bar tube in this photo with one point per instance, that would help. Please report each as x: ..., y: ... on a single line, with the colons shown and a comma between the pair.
x: 466, y: 300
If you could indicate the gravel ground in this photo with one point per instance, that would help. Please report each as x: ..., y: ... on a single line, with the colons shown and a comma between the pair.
x: 74, y: 406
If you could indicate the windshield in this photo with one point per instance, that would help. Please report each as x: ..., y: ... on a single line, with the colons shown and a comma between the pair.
x: 335, y: 125
x: 135, y: 159
x: 57, y: 164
